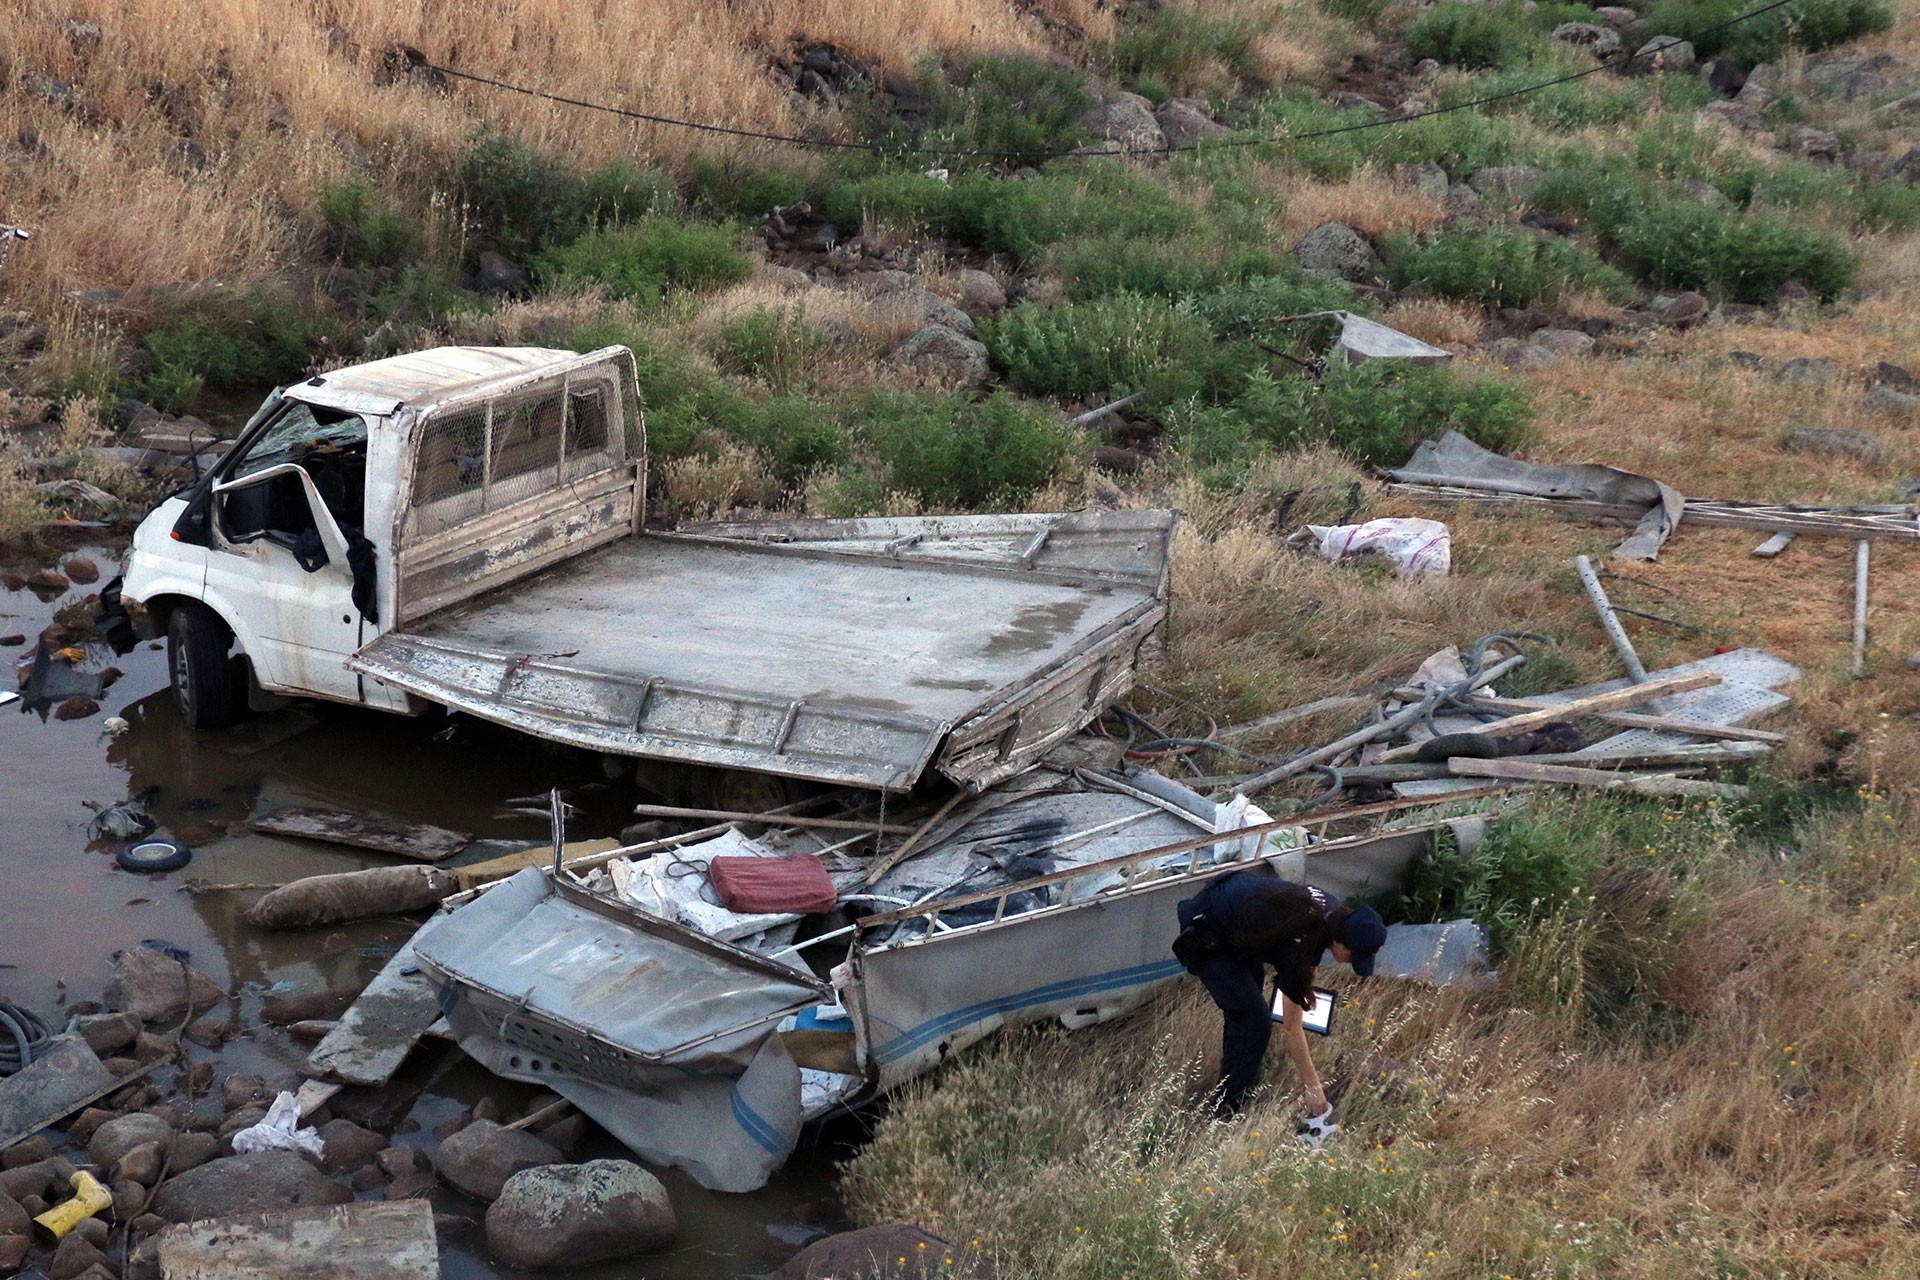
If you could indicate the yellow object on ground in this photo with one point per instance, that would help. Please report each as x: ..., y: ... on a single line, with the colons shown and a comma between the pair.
x: 89, y: 1198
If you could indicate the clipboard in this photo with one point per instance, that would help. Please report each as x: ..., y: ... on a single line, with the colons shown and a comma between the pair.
x: 1319, y: 1018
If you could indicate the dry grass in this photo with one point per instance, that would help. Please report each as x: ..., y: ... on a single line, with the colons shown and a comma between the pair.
x: 1367, y: 201
x: 1453, y: 325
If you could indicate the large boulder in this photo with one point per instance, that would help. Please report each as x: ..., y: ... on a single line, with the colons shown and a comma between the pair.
x: 1127, y: 120
x: 264, y: 1182
x: 940, y: 356
x: 156, y: 988
x: 1666, y: 53
x: 107, y: 1033
x: 1184, y: 123
x: 481, y: 1157
x: 576, y: 1214
x: 1337, y: 248
x: 1603, y: 41
x: 890, y: 1251
x: 978, y: 293
x: 1509, y: 182
x: 122, y: 1134
x: 1835, y: 442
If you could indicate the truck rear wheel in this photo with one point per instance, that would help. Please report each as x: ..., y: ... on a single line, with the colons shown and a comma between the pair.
x: 204, y: 690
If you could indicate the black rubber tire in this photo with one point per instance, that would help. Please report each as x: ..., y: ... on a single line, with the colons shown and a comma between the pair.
x: 152, y: 855
x: 204, y: 690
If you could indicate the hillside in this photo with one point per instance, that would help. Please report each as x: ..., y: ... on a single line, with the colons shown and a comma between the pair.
x: 1703, y: 268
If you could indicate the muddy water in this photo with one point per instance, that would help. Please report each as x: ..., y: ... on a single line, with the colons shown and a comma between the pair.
x: 65, y: 907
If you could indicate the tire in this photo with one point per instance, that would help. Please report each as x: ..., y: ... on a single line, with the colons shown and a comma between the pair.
x: 204, y: 690
x: 152, y: 855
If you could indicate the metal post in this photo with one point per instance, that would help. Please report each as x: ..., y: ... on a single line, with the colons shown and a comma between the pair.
x: 558, y: 828
x: 1860, y: 553
x: 1615, y: 632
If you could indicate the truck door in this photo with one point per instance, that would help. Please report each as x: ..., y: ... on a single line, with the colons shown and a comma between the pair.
x: 286, y: 521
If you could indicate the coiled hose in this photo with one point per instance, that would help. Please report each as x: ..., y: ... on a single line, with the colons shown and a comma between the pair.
x: 27, y: 1037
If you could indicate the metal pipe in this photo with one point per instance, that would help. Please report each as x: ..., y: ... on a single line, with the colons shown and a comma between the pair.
x: 1611, y: 621
x: 1860, y: 553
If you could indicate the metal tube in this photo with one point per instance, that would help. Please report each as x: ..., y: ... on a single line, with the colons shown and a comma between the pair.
x: 1860, y: 553
x: 1608, y: 619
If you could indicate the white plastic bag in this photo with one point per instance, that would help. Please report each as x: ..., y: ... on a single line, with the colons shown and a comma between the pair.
x: 280, y: 1131
x: 1416, y: 546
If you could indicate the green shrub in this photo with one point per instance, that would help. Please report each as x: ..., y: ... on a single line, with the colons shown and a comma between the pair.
x: 1747, y: 259
x: 1184, y: 50
x: 743, y: 190
x: 363, y: 228
x: 1529, y: 865
x: 1471, y: 35
x: 1247, y: 309
x: 1377, y: 411
x: 1111, y: 346
x: 245, y: 343
x: 1807, y: 24
x: 641, y: 260
x: 423, y: 295
x: 1596, y: 101
x: 1500, y: 268
x: 774, y: 344
x: 798, y: 435
x: 949, y: 451
x: 1094, y: 266
x: 994, y: 103
x: 522, y: 200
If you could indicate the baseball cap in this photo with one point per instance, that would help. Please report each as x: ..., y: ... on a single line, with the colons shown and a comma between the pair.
x: 1363, y: 934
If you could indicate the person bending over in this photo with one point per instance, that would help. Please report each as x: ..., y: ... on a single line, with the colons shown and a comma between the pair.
x: 1237, y: 925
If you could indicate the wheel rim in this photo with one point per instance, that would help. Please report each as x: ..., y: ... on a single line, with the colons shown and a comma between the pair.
x: 182, y: 679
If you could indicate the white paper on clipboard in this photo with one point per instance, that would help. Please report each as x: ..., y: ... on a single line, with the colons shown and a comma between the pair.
x: 1319, y: 1018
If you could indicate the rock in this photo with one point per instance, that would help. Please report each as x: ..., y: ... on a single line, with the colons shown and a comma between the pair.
x: 1817, y: 145
x: 1749, y: 360
x: 573, y: 1215
x: 1887, y: 374
x: 1126, y: 119
x: 1907, y: 106
x: 1337, y: 248
x: 129, y: 1198
x: 481, y: 1157
x: 265, y: 1182
x: 414, y: 1184
x: 1888, y: 401
x: 1184, y: 126
x: 14, y: 1221
x: 1616, y: 17
x: 244, y: 1090
x: 1705, y: 193
x: 873, y: 1253
x: 73, y: 1256
x: 307, y: 1006
x: 80, y: 569
x: 1666, y: 53
x: 1754, y: 94
x: 1510, y: 182
x: 94, y: 1231
x: 394, y: 1161
x: 980, y: 293
x: 1832, y: 442
x: 13, y: 1251
x: 1515, y: 354
x: 1787, y: 295
x: 47, y: 580
x: 87, y: 1123
x: 1806, y: 369
x: 1427, y: 178
x: 1736, y: 115
x: 155, y: 988
x: 26, y: 1151
x: 348, y: 1146
x: 1681, y: 309
x: 143, y: 1163
x: 1564, y: 342
x: 367, y: 1178
x: 118, y: 1136
x: 1603, y: 41
x: 1905, y: 169
x: 106, y: 1033
x: 566, y: 1134
x: 190, y: 1151
x: 1848, y: 76
x: 1724, y: 74
x: 1120, y: 461
x: 76, y: 708
x: 495, y: 274
x: 943, y: 357
x: 148, y: 1047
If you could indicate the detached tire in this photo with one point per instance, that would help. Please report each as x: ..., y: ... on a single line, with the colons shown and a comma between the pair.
x: 204, y: 690
x: 154, y: 855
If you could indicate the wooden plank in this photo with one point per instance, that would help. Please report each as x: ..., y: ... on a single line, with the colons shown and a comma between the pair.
x: 1690, y: 756
x: 539, y: 855
x: 418, y: 841
x: 1634, y: 720
x: 1598, y: 779
x: 1632, y: 695
x: 907, y: 846
x: 380, y: 1028
x: 59, y: 1082
x: 769, y: 819
x: 1774, y: 546
x: 366, y: 1240
x: 1796, y: 518
x: 315, y: 1094
x: 1279, y: 719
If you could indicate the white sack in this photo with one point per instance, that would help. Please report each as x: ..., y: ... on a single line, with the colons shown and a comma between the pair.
x: 1416, y: 546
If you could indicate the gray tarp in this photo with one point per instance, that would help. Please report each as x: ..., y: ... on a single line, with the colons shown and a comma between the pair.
x: 1455, y: 460
x: 669, y: 1046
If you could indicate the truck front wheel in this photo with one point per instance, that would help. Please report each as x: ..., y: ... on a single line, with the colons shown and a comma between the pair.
x: 204, y: 690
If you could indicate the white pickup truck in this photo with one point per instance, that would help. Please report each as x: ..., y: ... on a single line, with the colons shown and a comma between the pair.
x: 462, y: 527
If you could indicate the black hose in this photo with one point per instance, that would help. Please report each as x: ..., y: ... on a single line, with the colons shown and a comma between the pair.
x: 30, y: 1035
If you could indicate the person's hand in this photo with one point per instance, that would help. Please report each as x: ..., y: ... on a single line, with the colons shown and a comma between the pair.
x: 1313, y: 1101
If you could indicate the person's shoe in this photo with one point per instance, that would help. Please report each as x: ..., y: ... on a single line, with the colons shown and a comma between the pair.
x: 1315, y: 1130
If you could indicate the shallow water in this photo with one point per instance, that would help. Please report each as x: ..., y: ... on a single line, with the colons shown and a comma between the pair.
x: 65, y: 907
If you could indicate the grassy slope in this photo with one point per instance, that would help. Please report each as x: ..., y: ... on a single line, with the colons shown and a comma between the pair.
x: 1582, y: 1133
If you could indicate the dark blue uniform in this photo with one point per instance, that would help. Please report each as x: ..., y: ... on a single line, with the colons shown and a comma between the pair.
x: 1236, y: 926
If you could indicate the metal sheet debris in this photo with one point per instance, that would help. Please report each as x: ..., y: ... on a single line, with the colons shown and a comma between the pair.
x: 416, y: 840
x: 65, y: 1077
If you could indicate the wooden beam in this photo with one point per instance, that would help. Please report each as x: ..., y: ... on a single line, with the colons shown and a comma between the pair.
x: 1634, y: 720
x: 1598, y: 779
x: 1692, y: 756
x: 908, y: 845
x: 1632, y: 695
x: 769, y: 819
x: 1774, y: 546
x: 1278, y: 719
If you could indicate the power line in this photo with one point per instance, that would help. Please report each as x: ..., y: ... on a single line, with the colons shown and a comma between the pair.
x: 1615, y: 63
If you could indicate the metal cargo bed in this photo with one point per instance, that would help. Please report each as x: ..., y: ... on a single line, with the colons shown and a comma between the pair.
x: 850, y: 651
